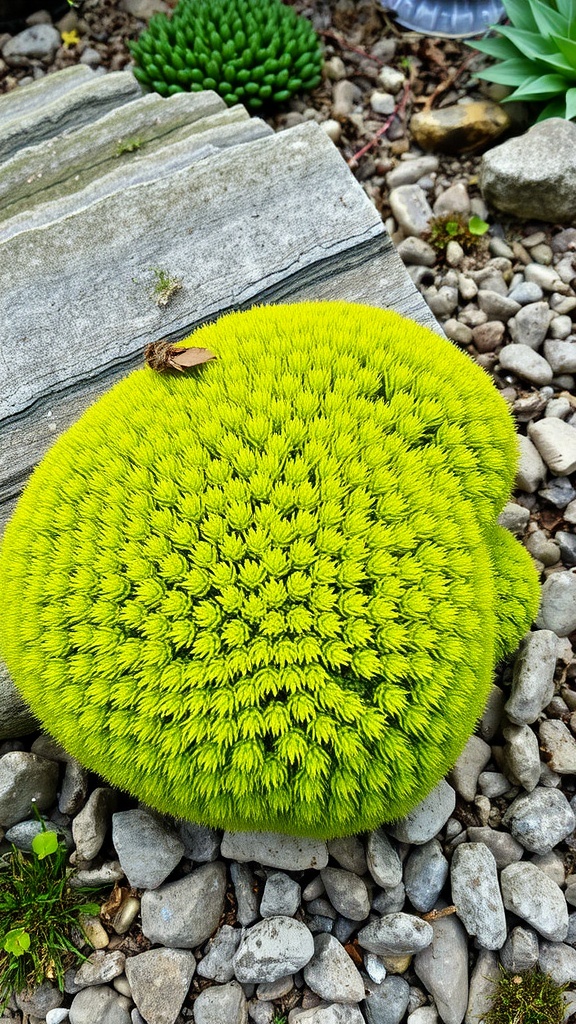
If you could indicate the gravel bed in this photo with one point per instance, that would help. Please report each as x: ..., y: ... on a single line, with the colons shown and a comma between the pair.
x: 409, y: 922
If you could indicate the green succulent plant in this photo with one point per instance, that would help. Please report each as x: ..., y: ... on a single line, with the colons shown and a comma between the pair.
x: 537, y: 54
x: 249, y: 51
x: 270, y: 593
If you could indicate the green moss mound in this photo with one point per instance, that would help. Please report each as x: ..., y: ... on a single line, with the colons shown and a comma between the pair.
x: 254, y: 52
x: 270, y: 594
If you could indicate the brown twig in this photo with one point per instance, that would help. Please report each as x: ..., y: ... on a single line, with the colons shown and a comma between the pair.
x: 344, y: 45
x: 435, y: 915
x: 397, y: 112
x: 448, y: 81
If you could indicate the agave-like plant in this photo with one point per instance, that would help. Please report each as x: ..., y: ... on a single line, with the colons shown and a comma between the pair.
x: 537, y: 54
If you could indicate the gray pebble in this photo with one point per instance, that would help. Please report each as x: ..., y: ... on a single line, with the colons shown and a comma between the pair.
x: 531, y: 470
x: 561, y: 327
x: 347, y: 893
x: 454, y: 199
x: 201, y: 844
x: 559, y: 407
x: 331, y: 973
x: 217, y: 964
x: 273, y: 948
x: 525, y: 363
x: 382, y: 102
x: 496, y: 306
x: 56, y: 1016
x: 159, y: 982
x: 349, y: 853
x: 535, y: 898
x: 393, y: 80
x: 541, y: 819
x: 148, y: 851
x: 425, y: 820
x: 416, y: 251
x: 559, y: 492
x: 396, y: 933
x: 246, y: 892
x: 386, y: 1003
x: 374, y: 968
x: 520, y: 951
x: 493, y: 784
x: 464, y: 775
x: 567, y: 544
x: 390, y: 901
x: 521, y: 756
x: 410, y: 208
x: 39, y: 1000
x: 489, y: 724
x: 443, y: 969
x: 90, y: 826
x: 503, y: 847
x: 542, y: 548
x: 221, y: 1003
x: 558, y: 604
x: 25, y: 780
x: 344, y: 95
x: 551, y: 864
x: 383, y: 861
x: 483, y: 984
x: 558, y: 961
x: 33, y: 43
x: 185, y: 913
x: 476, y: 894
x: 322, y: 907
x: 442, y: 301
x: 559, y: 747
x: 100, y: 968
x: 561, y: 355
x: 22, y: 834
x: 457, y: 332
x: 425, y: 874
x: 530, y: 325
x: 98, y: 1003
x: 546, y: 277
x: 344, y: 928
x: 556, y: 442
x: 289, y: 853
x: 533, y: 677
x: 408, y: 172
x: 335, y: 1013
x: 281, y: 896
x: 108, y: 873
x: 526, y: 292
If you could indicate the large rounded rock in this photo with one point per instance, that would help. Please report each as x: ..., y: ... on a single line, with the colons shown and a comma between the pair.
x: 387, y: 1002
x: 540, y: 820
x: 272, y: 949
x: 273, y: 850
x: 460, y: 127
x: 25, y: 780
x: 347, y: 893
x: 535, y: 898
x: 443, y: 968
x: 331, y: 973
x: 426, y: 819
x: 476, y: 894
x: 159, y: 980
x: 184, y: 914
x: 396, y: 933
x: 533, y: 176
x: 221, y: 1003
x: 148, y: 851
x: 425, y: 873
x: 98, y: 1003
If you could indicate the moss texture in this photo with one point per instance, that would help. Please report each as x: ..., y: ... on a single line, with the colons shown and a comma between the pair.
x: 270, y: 594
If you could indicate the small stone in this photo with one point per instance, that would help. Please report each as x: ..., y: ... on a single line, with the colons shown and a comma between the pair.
x: 25, y: 780
x: 221, y: 1003
x: 521, y: 760
x: 520, y: 951
x: 530, y: 324
x: 392, y: 81
x: 347, y: 893
x: 541, y: 819
x: 443, y: 969
x: 497, y: 307
x: 457, y: 332
x: 217, y: 964
x: 552, y: 864
x: 22, y: 834
x: 332, y: 128
x: 107, y: 874
x: 533, y: 678
x: 561, y: 355
x: 559, y: 748
x: 425, y: 873
x: 558, y: 604
x: 489, y: 724
x: 374, y: 968
x: 425, y: 820
x: 556, y: 442
x: 467, y: 287
x: 98, y: 1003
x: 39, y: 1000
x: 546, y: 277
x: 201, y: 844
x: 90, y: 826
x: 289, y: 853
x: 148, y: 851
x: 488, y: 336
x: 493, y: 784
x: 454, y: 199
x: 99, y: 968
x: 335, y: 1013
x: 476, y: 894
x: 350, y: 855
x: 535, y: 898
x: 331, y: 973
x: 390, y: 901
x: 567, y: 544
x: 159, y: 982
x: 185, y: 913
x: 542, y: 548
x: 560, y: 329
x: 382, y: 102
x: 526, y: 364
x: 344, y: 96
x: 335, y: 69
x: 387, y: 1002
x: 91, y: 57
x: 246, y: 892
x: 454, y: 254
x: 422, y: 1015
x: 442, y: 301
x: 483, y: 985
x: 396, y: 933
x: 281, y: 896
x: 526, y: 292
x: 33, y: 43
x: 383, y: 861
x: 559, y: 492
x: 275, y: 989
x: 503, y: 847
x: 416, y: 251
x: 408, y: 172
x: 272, y: 949
x: 94, y: 931
x: 74, y: 788
x: 56, y: 1016
x: 459, y: 128
x: 464, y: 775
x: 410, y: 208
x: 558, y: 961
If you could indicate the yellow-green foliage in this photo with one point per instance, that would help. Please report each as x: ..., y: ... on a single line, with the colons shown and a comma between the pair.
x: 270, y: 594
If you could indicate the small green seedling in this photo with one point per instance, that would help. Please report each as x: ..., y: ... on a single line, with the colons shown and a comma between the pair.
x: 128, y: 146
x: 456, y: 228
x: 165, y: 287
x: 529, y: 998
x: 279, y: 1018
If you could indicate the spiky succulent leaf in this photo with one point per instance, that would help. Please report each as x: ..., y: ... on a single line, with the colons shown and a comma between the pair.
x: 270, y: 594
x: 537, y: 54
x: 251, y: 51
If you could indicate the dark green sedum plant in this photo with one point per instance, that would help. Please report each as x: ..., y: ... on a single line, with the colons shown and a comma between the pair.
x: 270, y: 593
x: 537, y: 54
x: 250, y: 51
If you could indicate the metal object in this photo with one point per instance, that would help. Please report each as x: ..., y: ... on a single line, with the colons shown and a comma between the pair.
x: 454, y: 19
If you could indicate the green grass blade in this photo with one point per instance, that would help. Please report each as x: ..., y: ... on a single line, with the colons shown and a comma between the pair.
x: 570, y: 100
x: 540, y: 88
x: 509, y: 72
x: 500, y: 48
x: 530, y: 44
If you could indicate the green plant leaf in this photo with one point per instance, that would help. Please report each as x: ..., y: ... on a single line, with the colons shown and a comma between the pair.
x: 566, y: 8
x: 539, y: 88
x: 452, y: 227
x: 570, y: 99
x: 530, y: 44
x: 568, y: 48
x: 547, y: 19
x: 16, y: 941
x: 557, y: 108
x: 519, y: 14
x: 477, y: 226
x: 509, y: 72
x: 496, y: 47
x: 90, y: 909
x: 44, y: 844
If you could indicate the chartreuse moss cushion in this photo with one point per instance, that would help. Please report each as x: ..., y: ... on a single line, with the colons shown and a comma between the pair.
x: 270, y: 593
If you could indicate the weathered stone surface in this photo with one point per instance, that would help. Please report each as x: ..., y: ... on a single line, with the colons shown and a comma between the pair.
x: 534, y: 175
x: 410, y: 208
x: 483, y: 982
x: 520, y: 951
x: 427, y: 818
x: 201, y: 844
x: 35, y: 42
x: 16, y: 719
x: 534, y: 897
x: 425, y: 873
x: 531, y: 470
x: 464, y: 775
x: 558, y: 960
x: 476, y: 894
x: 349, y: 852
x: 558, y: 603
x: 185, y: 913
x: 290, y: 853
x: 159, y: 981
x: 272, y: 949
x: 336, y: 1013
x: 526, y: 363
x: 221, y: 1003
x: 556, y: 442
x: 533, y: 678
x: 559, y: 747
x: 396, y: 933
x: 383, y: 861
x: 98, y: 1003
x: 503, y: 847
x: 521, y: 761
x: 443, y: 969
x: 540, y: 820
x: 331, y: 973
x: 460, y: 127
x: 100, y: 968
x: 386, y: 1002
x: 90, y: 826
x: 217, y: 964
x: 281, y: 896
x: 18, y: 103
x: 148, y: 851
x: 25, y: 780
x: 347, y: 893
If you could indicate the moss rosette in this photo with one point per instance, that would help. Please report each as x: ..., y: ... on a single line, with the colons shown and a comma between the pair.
x: 270, y: 593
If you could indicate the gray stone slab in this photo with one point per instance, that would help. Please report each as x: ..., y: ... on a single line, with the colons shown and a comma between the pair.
x: 31, y: 98
x: 158, y: 164
x: 79, y: 106
x: 68, y: 163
